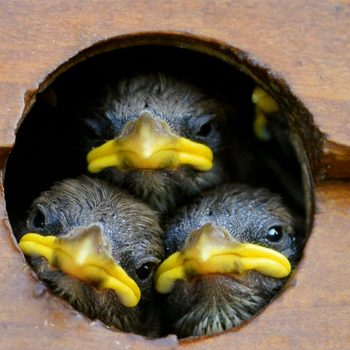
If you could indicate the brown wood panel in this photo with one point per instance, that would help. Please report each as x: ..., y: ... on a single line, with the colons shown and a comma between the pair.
x: 306, y: 43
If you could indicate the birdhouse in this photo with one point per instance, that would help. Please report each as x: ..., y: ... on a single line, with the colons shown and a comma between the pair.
x: 298, y: 52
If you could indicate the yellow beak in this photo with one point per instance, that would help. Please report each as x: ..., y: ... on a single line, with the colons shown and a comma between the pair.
x: 85, y: 255
x: 210, y: 249
x: 265, y: 106
x: 264, y: 101
x: 149, y: 144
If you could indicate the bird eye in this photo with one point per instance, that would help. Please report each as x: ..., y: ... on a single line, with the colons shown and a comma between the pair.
x: 39, y: 219
x: 275, y: 234
x: 145, y: 270
x: 205, y: 129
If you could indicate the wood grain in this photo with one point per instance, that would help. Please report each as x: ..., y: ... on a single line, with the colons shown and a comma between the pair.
x: 304, y: 43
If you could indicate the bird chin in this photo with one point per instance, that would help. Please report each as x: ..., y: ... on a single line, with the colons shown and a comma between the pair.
x: 163, y: 189
x: 166, y: 189
x: 214, y: 303
x: 96, y: 304
x: 218, y: 277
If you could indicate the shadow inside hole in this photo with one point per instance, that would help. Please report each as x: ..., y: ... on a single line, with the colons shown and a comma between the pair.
x: 48, y: 143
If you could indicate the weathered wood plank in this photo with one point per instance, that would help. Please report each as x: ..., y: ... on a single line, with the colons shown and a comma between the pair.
x: 307, y: 43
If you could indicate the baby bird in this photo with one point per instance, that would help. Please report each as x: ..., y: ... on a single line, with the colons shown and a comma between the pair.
x: 229, y: 253
x: 97, y: 247
x: 160, y: 137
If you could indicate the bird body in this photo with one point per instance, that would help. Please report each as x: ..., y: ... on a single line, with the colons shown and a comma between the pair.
x: 97, y: 247
x: 228, y: 254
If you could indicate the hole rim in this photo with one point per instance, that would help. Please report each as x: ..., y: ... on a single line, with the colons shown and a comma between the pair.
x: 308, y: 144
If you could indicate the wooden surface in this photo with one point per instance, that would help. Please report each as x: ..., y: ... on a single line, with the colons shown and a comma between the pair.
x: 306, y: 43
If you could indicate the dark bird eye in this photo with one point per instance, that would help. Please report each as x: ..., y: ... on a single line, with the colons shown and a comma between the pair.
x: 275, y: 234
x: 205, y: 129
x: 39, y: 219
x: 145, y: 271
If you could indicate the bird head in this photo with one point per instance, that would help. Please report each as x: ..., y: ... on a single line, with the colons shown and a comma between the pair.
x: 229, y: 253
x: 158, y: 136
x: 83, y: 241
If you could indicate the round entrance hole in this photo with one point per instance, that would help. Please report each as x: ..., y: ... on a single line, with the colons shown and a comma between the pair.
x: 49, y: 143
